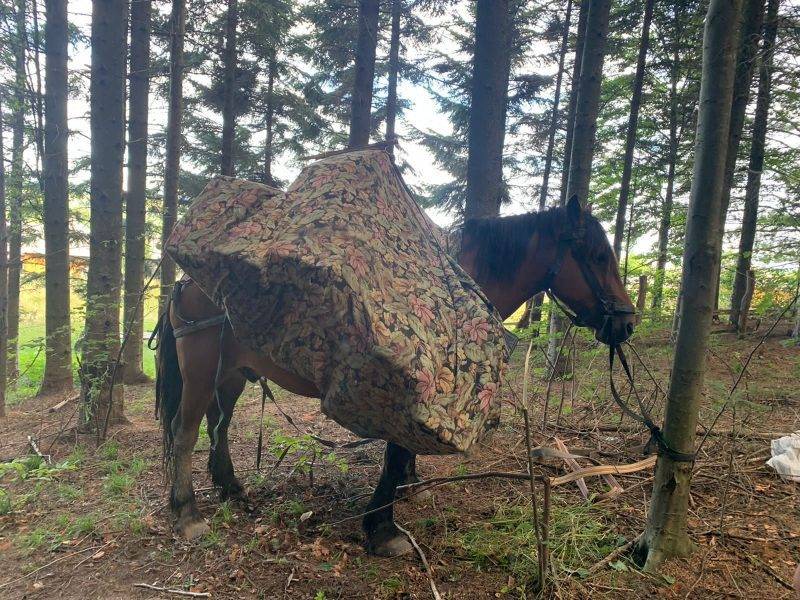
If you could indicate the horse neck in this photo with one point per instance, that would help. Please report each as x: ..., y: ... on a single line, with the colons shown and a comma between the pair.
x: 507, y: 296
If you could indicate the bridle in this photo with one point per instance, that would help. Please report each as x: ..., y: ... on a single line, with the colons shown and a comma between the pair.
x: 575, y: 241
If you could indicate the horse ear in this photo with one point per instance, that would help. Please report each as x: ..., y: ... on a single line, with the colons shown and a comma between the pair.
x: 574, y: 209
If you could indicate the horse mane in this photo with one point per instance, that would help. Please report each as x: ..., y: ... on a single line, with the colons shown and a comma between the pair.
x: 501, y: 243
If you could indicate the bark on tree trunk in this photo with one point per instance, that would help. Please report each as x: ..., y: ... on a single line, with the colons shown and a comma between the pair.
x: 17, y: 186
x: 38, y: 97
x: 229, y: 102
x: 3, y: 270
x: 487, y: 115
x: 136, y: 198
x: 588, y: 101
x: 747, y: 298
x: 750, y: 23
x: 268, y: 120
x: 172, y: 162
x: 394, y: 68
x: 756, y: 164
x: 633, y: 120
x: 580, y: 37
x: 361, y: 101
x: 666, y: 534
x: 58, y: 356
x: 587, y: 104
x: 103, y: 288
x: 551, y: 137
x: 672, y: 158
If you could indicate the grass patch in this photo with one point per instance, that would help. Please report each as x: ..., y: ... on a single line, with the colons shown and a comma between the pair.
x: 579, y: 537
x: 117, y: 484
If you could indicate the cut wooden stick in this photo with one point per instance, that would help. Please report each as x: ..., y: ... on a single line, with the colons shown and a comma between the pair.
x: 614, y: 555
x: 164, y: 590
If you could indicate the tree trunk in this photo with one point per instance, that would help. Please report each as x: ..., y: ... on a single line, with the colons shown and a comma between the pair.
x: 58, y: 361
x: 487, y: 116
x: 750, y: 23
x: 136, y: 198
x: 666, y: 534
x: 228, y: 109
x: 3, y: 270
x: 672, y: 158
x: 551, y: 137
x: 172, y: 162
x: 633, y: 119
x: 38, y: 97
x: 361, y: 101
x: 587, y: 104
x: 268, y: 120
x: 17, y: 187
x: 103, y: 287
x: 588, y: 100
x: 394, y: 68
x: 756, y: 164
x: 580, y: 37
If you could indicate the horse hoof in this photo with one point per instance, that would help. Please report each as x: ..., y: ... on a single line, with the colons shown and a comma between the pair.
x: 391, y: 547
x: 192, y: 531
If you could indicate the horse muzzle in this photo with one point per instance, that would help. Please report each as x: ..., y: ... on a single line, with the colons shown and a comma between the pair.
x: 615, y: 329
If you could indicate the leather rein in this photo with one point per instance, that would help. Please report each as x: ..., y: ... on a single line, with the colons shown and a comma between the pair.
x: 576, y: 242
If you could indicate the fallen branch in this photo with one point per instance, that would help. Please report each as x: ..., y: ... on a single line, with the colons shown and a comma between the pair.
x: 62, y: 404
x: 613, y: 556
x: 35, y: 448
x: 424, y: 560
x: 164, y: 590
x: 752, y: 435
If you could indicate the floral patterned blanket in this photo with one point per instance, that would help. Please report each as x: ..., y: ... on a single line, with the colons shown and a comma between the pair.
x: 344, y: 281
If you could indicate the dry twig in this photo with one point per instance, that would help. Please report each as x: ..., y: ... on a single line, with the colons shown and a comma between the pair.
x: 164, y: 590
x: 424, y: 560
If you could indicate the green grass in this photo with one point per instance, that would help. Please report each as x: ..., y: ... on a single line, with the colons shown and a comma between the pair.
x: 578, y: 538
x: 32, y: 332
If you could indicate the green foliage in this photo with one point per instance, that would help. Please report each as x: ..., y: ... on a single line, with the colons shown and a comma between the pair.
x: 578, y: 538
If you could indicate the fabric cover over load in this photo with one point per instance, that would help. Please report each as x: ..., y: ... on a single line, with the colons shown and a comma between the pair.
x: 344, y: 281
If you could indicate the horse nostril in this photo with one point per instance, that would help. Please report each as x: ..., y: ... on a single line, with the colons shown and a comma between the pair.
x: 629, y: 328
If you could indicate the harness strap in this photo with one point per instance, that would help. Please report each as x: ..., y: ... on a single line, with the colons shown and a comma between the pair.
x: 657, y: 439
x: 194, y: 326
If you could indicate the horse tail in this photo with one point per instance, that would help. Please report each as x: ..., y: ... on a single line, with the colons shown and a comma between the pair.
x: 169, y: 382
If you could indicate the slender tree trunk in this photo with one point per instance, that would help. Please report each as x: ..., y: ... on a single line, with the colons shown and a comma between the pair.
x: 672, y: 159
x: 551, y: 137
x: 580, y: 37
x: 17, y: 187
x: 750, y: 23
x: 666, y: 534
x: 172, y: 164
x: 587, y: 105
x: 361, y: 101
x: 487, y: 116
x: 103, y: 287
x: 394, y: 68
x: 136, y: 198
x: 588, y: 101
x: 269, y: 118
x: 3, y: 270
x: 38, y: 96
x: 633, y: 120
x: 756, y: 165
x: 58, y: 362
x: 228, y: 110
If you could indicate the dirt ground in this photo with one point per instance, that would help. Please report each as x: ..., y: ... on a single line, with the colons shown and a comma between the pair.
x: 93, y: 523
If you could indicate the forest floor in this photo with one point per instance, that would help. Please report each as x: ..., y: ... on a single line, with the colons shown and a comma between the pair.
x: 93, y: 522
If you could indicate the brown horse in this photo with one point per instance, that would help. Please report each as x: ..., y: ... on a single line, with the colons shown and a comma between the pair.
x: 564, y: 250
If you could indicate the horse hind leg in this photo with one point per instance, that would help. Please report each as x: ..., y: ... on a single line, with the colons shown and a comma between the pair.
x: 220, y: 464
x: 186, y: 428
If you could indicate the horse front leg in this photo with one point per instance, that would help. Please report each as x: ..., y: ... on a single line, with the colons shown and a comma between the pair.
x: 383, y: 536
x: 189, y: 522
x: 220, y: 464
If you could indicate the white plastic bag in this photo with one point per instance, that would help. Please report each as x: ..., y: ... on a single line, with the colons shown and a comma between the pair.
x: 786, y: 457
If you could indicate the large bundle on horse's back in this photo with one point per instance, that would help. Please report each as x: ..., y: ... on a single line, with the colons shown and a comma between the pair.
x: 343, y: 280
